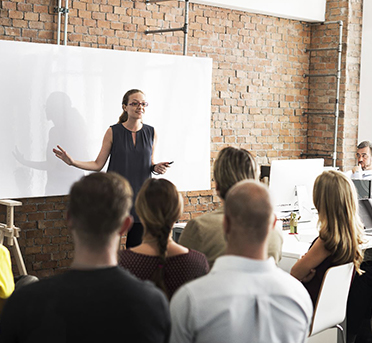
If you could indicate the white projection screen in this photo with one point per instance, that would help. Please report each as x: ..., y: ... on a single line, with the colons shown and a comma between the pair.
x: 70, y: 95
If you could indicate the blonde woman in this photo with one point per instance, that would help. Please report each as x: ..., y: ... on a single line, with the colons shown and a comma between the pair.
x: 340, y: 233
x: 159, y: 258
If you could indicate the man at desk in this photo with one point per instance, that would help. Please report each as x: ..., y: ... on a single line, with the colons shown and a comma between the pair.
x: 360, y: 296
x: 363, y: 170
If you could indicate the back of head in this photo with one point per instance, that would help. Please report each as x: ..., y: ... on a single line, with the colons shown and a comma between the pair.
x: 98, y: 205
x: 335, y: 198
x: 159, y: 206
x: 249, y: 210
x: 231, y: 166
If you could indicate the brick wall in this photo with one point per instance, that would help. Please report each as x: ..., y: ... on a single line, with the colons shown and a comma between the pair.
x: 258, y: 90
x: 322, y: 91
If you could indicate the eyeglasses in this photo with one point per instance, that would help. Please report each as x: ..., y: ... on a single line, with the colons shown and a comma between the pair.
x: 136, y: 104
x: 364, y: 156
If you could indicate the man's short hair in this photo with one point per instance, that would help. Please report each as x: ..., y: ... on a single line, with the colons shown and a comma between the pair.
x: 365, y: 144
x: 250, y: 211
x: 231, y: 166
x: 98, y: 206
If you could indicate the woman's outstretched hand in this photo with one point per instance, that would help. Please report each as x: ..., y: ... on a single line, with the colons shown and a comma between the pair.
x: 63, y: 155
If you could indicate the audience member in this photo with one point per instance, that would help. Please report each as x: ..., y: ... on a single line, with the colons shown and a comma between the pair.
x: 245, y: 297
x: 96, y: 301
x: 359, y: 307
x: 6, y: 276
x: 363, y: 169
x: 159, y: 258
x: 340, y: 233
x: 205, y: 233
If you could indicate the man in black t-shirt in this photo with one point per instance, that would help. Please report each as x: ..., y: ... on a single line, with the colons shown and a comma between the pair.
x: 96, y: 301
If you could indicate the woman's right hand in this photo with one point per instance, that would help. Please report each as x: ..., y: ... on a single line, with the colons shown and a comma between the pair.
x: 63, y: 155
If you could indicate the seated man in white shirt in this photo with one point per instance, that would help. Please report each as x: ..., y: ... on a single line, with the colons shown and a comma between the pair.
x: 245, y: 297
x: 363, y: 170
x: 359, y: 305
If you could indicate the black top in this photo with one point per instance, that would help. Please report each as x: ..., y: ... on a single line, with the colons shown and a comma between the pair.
x: 129, y: 160
x: 313, y: 286
x: 99, y: 305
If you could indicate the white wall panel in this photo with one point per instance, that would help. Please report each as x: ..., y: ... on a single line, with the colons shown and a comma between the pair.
x: 311, y: 11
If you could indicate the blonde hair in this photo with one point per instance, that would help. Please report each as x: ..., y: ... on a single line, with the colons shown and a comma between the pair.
x: 159, y: 206
x: 124, y: 116
x: 341, y: 229
x: 231, y: 166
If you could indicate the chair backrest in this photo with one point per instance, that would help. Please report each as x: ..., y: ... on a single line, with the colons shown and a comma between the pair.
x: 330, y: 308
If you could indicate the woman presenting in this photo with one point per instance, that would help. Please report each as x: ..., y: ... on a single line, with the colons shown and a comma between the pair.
x: 130, y: 145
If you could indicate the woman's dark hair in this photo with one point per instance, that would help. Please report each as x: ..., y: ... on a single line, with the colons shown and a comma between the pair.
x: 124, y: 116
x: 159, y: 206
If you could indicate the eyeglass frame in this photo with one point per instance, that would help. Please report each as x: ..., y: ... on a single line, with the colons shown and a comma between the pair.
x: 137, y: 103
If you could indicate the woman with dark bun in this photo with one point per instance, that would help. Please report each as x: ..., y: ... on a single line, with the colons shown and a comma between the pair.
x: 159, y: 258
x: 130, y: 145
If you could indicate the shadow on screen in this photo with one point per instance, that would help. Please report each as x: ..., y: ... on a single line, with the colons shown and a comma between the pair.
x: 69, y: 131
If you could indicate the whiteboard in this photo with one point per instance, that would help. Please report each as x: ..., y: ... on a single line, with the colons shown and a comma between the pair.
x: 365, y: 99
x: 70, y: 95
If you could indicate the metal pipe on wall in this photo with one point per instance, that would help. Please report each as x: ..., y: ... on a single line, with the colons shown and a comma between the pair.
x: 337, y: 105
x: 62, y: 10
x: 66, y: 22
x: 59, y: 22
x: 185, y: 27
x: 338, y: 81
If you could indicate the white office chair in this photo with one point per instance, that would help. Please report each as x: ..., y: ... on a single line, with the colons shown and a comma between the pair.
x: 330, y: 308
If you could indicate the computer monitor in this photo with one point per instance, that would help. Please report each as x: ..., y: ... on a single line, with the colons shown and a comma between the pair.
x: 364, y: 188
x: 291, y: 184
x: 365, y: 213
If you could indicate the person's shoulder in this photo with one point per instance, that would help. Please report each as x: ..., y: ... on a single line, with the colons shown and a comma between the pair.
x: 196, y: 255
x: 4, y: 253
x: 126, y: 254
x: 197, y: 288
x: 147, y: 127
x: 147, y: 288
x: 209, y: 219
x: 34, y: 291
x: 288, y: 285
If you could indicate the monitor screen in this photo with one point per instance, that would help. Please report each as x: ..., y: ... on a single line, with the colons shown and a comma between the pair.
x: 363, y: 188
x: 365, y: 212
x: 288, y: 175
